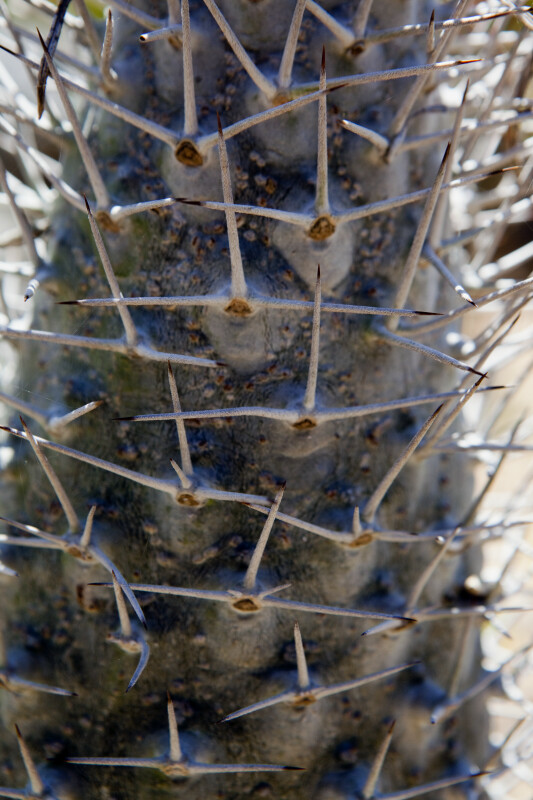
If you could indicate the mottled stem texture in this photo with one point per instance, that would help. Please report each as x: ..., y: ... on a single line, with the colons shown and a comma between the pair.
x: 263, y: 354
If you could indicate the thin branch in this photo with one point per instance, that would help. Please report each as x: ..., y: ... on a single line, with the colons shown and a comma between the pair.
x: 51, y: 541
x: 420, y: 28
x: 182, y: 769
x: 80, y: 67
x: 499, y: 294
x: 56, y: 423
x: 260, y: 301
x: 185, y: 481
x: 400, y: 118
x: 518, y: 385
x: 411, y: 263
x: 452, y: 704
x: 125, y: 623
x: 292, y: 417
x: 57, y: 486
x: 341, y: 32
x: 298, y: 697
x: 375, y: 770
x: 155, y: 483
x: 17, y: 35
x: 435, y: 231
x: 360, y: 20
x: 470, y: 515
x: 310, y: 390
x: 295, y: 606
x: 431, y: 352
x: 500, y: 122
x: 451, y: 411
x: 348, y: 538
x: 250, y: 602
x: 497, y: 753
x: 158, y: 484
x: 426, y: 788
x: 469, y: 627
x: 14, y: 684
x: 89, y: 29
x: 88, y: 529
x: 381, y: 143
x: 52, y: 136
x: 424, y: 70
x: 496, y: 270
x: 142, y: 123
x: 214, y: 413
x: 322, y: 195
x: 143, y: 661
x: 238, y: 281
x: 25, y: 228
x: 165, y: 33
x: 301, y: 663
x: 412, y: 197
x: 142, y: 351
x: 138, y: 16
x: 37, y: 786
x: 120, y: 212
x: 360, y: 212
x: 60, y: 185
x: 109, y: 76
x: 262, y: 83
x: 430, y: 36
x: 357, y: 528
x: 441, y: 267
x: 27, y: 409
x: 125, y: 316
x: 85, y: 552
x: 386, y: 482
x: 176, y: 764
x: 465, y: 446
x: 93, y: 173
x: 347, y: 39
x: 253, y: 567
x: 175, y: 753
x: 186, y: 461
x: 498, y: 90
x: 291, y: 43
x: 190, y: 126
x: 50, y: 47
x: 210, y: 140
x: 292, y: 217
x: 174, y: 10
x: 428, y: 571
x: 7, y: 571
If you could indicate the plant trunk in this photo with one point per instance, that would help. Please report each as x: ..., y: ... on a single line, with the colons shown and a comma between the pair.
x: 166, y: 529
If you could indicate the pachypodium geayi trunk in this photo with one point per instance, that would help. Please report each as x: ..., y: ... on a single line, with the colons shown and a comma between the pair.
x: 239, y: 493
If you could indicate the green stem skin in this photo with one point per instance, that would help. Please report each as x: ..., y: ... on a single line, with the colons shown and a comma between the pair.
x: 212, y: 659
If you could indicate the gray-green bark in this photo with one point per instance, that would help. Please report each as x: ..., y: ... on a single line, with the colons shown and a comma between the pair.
x: 211, y: 657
